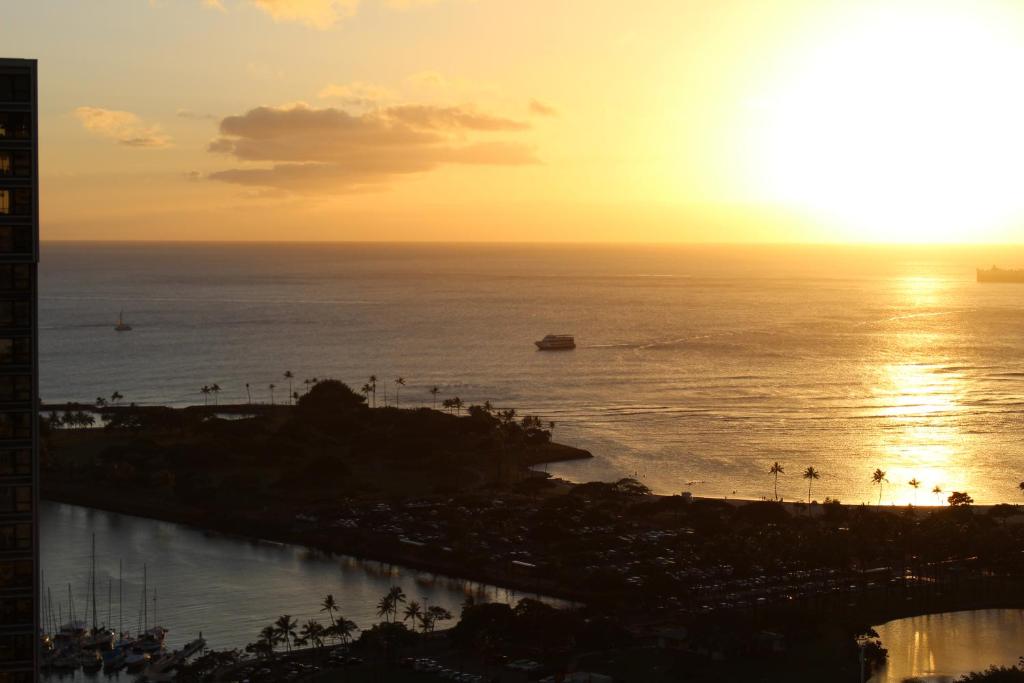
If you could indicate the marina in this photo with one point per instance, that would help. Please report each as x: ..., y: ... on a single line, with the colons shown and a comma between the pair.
x: 224, y: 588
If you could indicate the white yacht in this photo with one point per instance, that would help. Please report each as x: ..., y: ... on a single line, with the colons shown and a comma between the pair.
x: 556, y: 342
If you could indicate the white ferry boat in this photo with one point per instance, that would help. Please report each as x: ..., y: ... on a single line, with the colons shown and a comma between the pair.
x: 556, y: 342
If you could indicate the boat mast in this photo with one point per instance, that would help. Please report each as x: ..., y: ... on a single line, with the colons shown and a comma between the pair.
x: 145, y: 602
x: 94, y: 583
x: 120, y: 599
x: 110, y: 585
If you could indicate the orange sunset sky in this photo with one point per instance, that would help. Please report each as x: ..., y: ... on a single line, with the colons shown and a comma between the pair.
x: 528, y: 120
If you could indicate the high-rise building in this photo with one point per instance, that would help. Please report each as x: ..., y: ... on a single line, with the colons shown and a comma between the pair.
x: 19, y: 372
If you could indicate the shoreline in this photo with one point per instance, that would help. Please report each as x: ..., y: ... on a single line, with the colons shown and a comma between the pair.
x: 238, y: 528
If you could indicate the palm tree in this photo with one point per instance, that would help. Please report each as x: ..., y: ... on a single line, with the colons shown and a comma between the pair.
x: 343, y: 629
x: 384, y: 607
x: 938, y: 493
x: 434, y: 391
x: 810, y: 474
x: 365, y: 390
x: 412, y: 611
x: 215, y: 390
x: 776, y: 469
x: 289, y: 376
x: 205, y: 391
x: 116, y: 396
x: 399, y: 383
x: 248, y: 392
x: 329, y: 605
x: 878, y: 477
x: 269, y: 638
x: 101, y: 402
x: 914, y: 484
x: 272, y: 387
x: 457, y: 404
x: 285, y: 626
x: 312, y: 632
x: 1021, y: 487
x: 373, y: 389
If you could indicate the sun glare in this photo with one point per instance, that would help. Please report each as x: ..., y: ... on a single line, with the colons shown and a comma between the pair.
x: 900, y: 124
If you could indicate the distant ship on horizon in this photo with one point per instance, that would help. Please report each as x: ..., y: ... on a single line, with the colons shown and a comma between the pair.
x: 556, y: 342
x: 995, y: 274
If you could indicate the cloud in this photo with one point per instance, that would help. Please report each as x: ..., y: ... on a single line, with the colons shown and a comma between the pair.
x: 332, y: 150
x: 357, y: 93
x: 123, y: 126
x: 195, y: 116
x: 541, y: 109
x: 315, y: 13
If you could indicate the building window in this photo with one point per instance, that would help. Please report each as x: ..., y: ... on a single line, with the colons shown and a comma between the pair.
x: 15, y: 388
x: 15, y: 463
x: 15, y: 351
x: 16, y: 277
x: 15, y: 165
x: 15, y: 611
x: 16, y: 647
x: 16, y: 203
x: 16, y: 573
x: 15, y: 536
x: 15, y: 240
x: 15, y: 498
x: 15, y: 88
x: 14, y: 125
x: 14, y: 313
x: 15, y: 425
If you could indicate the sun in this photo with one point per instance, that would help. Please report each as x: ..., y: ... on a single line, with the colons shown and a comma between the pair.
x: 898, y: 122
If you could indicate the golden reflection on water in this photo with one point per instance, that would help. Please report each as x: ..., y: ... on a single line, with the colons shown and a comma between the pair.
x: 920, y: 401
x: 950, y: 644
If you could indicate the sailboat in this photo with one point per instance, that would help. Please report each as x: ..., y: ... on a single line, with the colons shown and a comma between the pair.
x: 122, y: 326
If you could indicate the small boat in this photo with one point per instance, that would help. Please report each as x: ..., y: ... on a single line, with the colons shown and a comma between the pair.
x: 136, y: 660
x: 122, y: 326
x: 114, y: 660
x: 556, y: 342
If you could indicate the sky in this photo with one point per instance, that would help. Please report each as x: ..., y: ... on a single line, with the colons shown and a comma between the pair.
x: 528, y: 120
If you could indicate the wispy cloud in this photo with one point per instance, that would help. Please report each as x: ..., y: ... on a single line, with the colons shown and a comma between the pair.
x: 358, y: 94
x: 195, y: 116
x: 542, y: 109
x: 123, y: 126
x: 320, y: 14
x: 332, y: 150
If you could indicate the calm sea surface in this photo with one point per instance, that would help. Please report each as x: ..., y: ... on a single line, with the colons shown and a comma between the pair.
x: 228, y: 588
x: 942, y: 647
x: 697, y: 366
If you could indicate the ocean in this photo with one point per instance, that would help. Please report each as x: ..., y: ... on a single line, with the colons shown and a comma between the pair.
x: 697, y: 367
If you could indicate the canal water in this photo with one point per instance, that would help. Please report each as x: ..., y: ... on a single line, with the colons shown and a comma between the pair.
x: 942, y: 647
x: 228, y: 588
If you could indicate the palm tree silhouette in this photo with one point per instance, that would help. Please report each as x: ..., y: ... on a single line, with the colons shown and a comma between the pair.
x: 878, y: 477
x: 1021, y: 487
x: 373, y: 389
x: 272, y: 387
x: 412, y: 611
x: 365, y: 391
x: 289, y: 376
x: 434, y: 391
x: 215, y: 390
x: 399, y: 383
x: 914, y: 483
x: 776, y: 469
x: 269, y: 637
x: 457, y: 404
x: 285, y: 626
x: 205, y: 391
x: 938, y: 492
x: 810, y: 474
x: 248, y: 392
x: 312, y: 632
x: 329, y: 605
x: 115, y: 397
